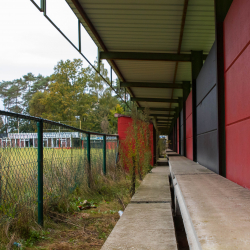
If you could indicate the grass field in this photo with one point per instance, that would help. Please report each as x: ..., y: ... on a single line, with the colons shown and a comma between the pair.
x: 64, y: 171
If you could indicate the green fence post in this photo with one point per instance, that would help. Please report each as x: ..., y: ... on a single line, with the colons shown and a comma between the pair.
x: 88, y: 157
x: 40, y: 171
x: 117, y: 153
x: 104, y: 155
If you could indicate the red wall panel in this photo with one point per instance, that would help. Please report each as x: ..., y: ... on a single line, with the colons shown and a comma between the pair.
x: 238, y: 157
x: 237, y: 90
x: 189, y: 149
x: 236, y: 30
x: 123, y: 124
x: 189, y: 127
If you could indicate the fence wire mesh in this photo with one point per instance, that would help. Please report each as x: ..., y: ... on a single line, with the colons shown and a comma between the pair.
x: 96, y: 153
x: 18, y: 170
x: 65, y: 163
x: 111, y: 152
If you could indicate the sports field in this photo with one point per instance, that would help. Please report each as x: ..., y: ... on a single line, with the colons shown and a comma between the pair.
x: 64, y: 171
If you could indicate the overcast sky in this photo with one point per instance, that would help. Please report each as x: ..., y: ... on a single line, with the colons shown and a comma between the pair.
x: 29, y: 43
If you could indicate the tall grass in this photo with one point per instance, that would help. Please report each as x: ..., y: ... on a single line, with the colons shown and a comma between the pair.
x: 65, y: 173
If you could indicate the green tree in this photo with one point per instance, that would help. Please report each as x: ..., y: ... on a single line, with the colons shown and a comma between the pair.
x: 73, y: 94
x: 66, y: 97
x: 34, y: 84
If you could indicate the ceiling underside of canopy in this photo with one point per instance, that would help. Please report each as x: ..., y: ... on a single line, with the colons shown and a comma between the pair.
x: 159, y: 26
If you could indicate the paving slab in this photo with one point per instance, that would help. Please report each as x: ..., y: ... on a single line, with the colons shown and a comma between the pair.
x: 144, y: 227
x: 154, y: 187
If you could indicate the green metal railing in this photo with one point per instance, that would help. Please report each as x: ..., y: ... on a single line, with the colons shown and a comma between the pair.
x: 49, y: 162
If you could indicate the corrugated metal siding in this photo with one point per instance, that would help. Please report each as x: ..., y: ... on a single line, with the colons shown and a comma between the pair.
x: 152, y: 93
x: 199, y: 31
x: 154, y: 104
x: 184, y: 72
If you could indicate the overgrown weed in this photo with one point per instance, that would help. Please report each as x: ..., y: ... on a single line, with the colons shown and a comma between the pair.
x: 65, y: 226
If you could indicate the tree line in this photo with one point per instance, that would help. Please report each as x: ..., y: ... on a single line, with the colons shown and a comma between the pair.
x: 72, y: 95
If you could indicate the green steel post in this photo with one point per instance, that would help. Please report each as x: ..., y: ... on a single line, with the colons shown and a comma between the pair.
x: 79, y: 37
x: 98, y: 60
x: 40, y: 171
x: 88, y: 157
x: 117, y: 153
x: 104, y: 155
x: 111, y: 76
x: 42, y: 5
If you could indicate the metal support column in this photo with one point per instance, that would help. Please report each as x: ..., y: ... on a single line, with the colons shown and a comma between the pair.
x: 40, y: 171
x: 104, y: 155
x: 186, y: 91
x: 197, y: 63
x: 221, y: 9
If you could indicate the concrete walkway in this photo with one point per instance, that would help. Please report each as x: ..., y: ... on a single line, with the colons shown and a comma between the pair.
x: 147, y: 222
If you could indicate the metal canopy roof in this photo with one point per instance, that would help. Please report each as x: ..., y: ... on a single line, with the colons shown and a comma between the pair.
x: 146, y: 26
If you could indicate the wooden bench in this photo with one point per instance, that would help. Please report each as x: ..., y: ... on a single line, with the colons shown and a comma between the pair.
x: 215, y: 211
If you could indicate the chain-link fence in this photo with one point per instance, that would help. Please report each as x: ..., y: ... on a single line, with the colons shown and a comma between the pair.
x: 48, y: 161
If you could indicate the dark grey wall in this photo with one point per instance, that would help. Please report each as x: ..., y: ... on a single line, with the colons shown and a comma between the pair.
x: 207, y: 118
x: 182, y: 133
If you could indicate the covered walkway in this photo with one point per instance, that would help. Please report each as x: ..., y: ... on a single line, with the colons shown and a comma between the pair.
x: 187, y: 63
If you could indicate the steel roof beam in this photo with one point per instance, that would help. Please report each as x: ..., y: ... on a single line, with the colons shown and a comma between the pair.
x: 157, y: 109
x: 142, y: 99
x: 170, y: 120
x: 175, y: 57
x: 151, y: 85
x: 161, y: 115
